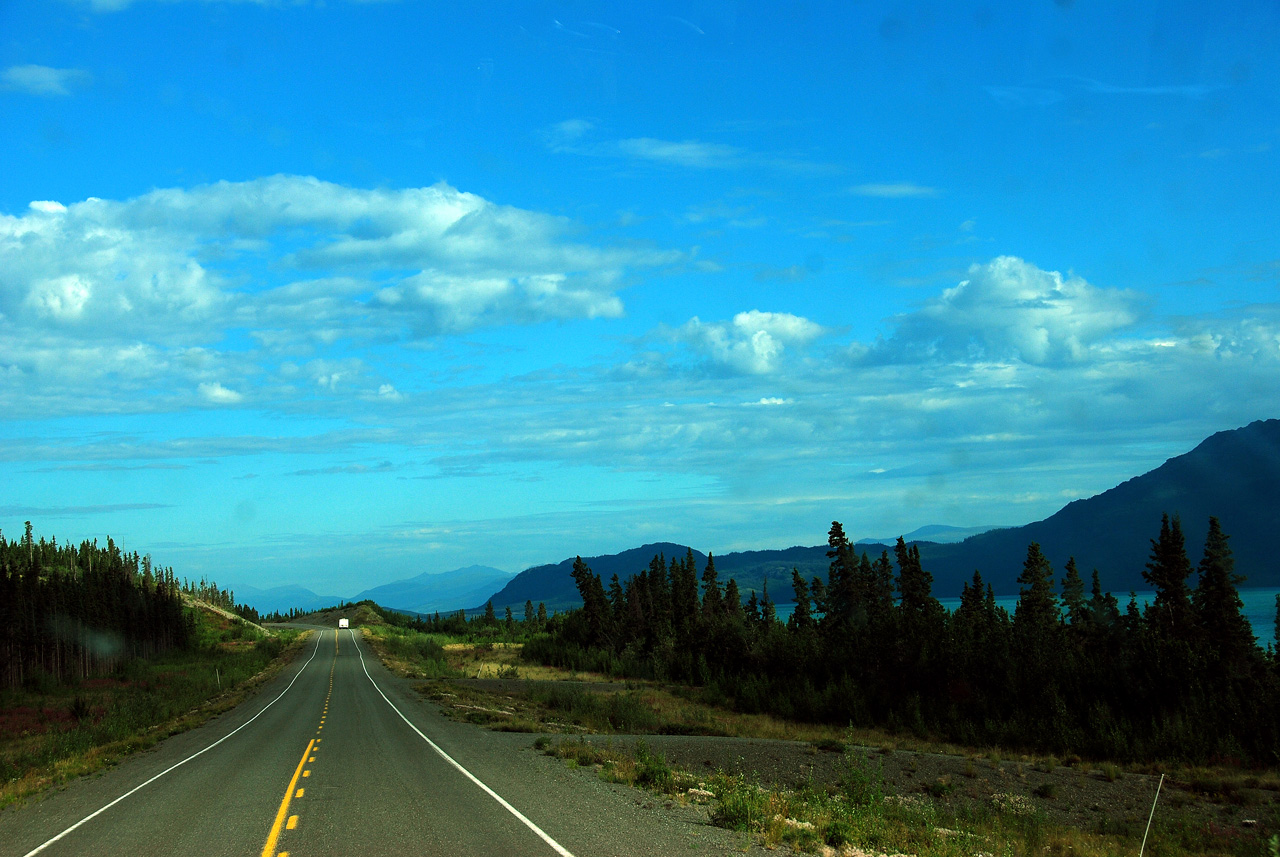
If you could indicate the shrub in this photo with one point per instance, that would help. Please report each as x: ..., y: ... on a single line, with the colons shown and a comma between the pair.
x: 652, y: 769
x: 863, y: 785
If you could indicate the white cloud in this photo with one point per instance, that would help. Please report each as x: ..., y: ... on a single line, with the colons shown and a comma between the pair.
x: 684, y: 153
x: 296, y: 263
x: 1010, y: 309
x: 894, y: 190
x: 218, y: 394
x: 753, y: 342
x: 42, y: 79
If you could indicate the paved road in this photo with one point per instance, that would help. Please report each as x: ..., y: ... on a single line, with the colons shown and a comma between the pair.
x: 336, y: 756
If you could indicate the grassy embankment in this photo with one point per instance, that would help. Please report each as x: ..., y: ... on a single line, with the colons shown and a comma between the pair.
x: 959, y: 801
x: 51, y: 733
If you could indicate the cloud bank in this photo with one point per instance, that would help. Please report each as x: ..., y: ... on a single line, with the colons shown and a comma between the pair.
x: 145, y: 291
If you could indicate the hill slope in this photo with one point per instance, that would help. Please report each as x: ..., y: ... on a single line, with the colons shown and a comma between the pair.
x: 1233, y: 475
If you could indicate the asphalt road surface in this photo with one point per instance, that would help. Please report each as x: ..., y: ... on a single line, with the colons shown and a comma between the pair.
x: 336, y: 756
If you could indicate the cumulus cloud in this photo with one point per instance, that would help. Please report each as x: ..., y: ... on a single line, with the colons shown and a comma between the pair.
x: 293, y: 262
x: 42, y: 80
x: 1009, y: 309
x: 218, y: 394
x: 753, y: 342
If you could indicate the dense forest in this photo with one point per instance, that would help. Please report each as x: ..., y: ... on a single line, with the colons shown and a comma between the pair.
x: 70, y: 612
x: 1070, y: 672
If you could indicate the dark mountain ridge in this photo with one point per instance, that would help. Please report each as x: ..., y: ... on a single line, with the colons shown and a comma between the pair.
x: 1233, y: 475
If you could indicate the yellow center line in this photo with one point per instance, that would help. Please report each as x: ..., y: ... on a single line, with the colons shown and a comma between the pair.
x: 269, y: 850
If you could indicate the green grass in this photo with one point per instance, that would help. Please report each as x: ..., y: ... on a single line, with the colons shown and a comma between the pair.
x: 51, y: 732
x: 412, y: 653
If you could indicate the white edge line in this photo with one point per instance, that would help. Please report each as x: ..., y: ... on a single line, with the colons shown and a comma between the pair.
x: 179, y: 764
x: 560, y: 849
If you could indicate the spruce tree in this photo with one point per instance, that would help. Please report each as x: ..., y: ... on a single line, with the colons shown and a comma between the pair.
x: 712, y: 601
x: 1036, y: 615
x: 1170, y: 613
x: 1073, y: 595
x: 801, y: 618
x: 1217, y: 604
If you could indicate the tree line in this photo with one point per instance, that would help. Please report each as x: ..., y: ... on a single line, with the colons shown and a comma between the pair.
x: 74, y: 611
x: 1069, y: 672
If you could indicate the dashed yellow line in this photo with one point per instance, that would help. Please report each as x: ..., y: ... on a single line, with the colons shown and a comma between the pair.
x: 283, y: 819
x: 269, y: 850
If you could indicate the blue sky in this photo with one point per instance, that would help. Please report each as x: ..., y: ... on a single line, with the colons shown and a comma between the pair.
x: 334, y: 293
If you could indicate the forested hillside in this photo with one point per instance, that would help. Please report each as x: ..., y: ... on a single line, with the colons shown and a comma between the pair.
x: 69, y: 612
x: 870, y: 645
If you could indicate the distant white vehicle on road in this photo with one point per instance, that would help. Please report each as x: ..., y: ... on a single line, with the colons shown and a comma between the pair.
x: 344, y: 623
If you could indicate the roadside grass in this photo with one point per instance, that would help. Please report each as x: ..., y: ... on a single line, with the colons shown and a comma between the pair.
x: 861, y: 816
x: 411, y: 654
x: 51, y: 733
x: 491, y: 659
x: 937, y: 815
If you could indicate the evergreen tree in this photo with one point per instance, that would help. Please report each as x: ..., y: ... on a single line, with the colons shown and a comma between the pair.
x: 594, y: 605
x: 840, y: 595
x: 528, y: 613
x: 801, y: 618
x: 733, y: 599
x: 1036, y: 616
x: 768, y: 615
x: 490, y: 618
x: 1170, y: 612
x: 1073, y: 595
x: 915, y: 585
x: 712, y: 600
x: 1217, y: 604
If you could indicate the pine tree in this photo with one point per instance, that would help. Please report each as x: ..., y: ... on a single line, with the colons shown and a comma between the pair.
x: 840, y: 595
x: 1073, y: 595
x: 1217, y: 604
x: 802, y: 617
x: 1170, y: 613
x: 732, y: 600
x: 712, y: 600
x: 595, y: 607
x: 1036, y: 615
x: 915, y: 585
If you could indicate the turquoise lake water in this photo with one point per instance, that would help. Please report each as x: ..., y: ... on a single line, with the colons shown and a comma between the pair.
x: 1259, y: 608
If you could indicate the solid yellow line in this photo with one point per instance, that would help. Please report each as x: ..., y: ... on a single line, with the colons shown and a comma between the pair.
x: 269, y: 850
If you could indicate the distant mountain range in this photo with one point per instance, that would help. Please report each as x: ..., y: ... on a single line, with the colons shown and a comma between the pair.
x: 447, y: 591
x: 1233, y: 475
x: 281, y: 599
